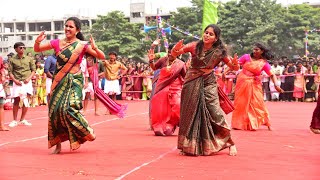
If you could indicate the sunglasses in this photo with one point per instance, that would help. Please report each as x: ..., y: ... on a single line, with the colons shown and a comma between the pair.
x: 22, y: 47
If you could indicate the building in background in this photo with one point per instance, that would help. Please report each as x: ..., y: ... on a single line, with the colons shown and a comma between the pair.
x: 27, y: 31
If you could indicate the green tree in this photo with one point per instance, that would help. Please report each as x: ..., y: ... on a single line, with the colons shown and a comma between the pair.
x: 186, y: 19
x: 282, y: 29
x: 304, y: 17
x: 114, y: 32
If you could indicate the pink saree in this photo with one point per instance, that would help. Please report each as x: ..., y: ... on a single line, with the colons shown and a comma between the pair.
x: 112, y: 106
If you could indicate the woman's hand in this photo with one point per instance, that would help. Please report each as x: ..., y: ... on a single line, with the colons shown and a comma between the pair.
x: 279, y: 89
x: 151, y: 54
x: 175, y: 50
x: 92, y: 43
x: 235, y: 59
x: 41, y: 37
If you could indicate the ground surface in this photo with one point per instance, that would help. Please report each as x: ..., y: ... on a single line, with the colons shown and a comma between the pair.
x: 127, y: 149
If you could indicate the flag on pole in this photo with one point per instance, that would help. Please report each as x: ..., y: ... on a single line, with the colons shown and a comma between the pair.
x: 210, y: 14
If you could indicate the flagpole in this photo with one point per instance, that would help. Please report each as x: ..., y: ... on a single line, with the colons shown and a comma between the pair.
x: 158, y: 28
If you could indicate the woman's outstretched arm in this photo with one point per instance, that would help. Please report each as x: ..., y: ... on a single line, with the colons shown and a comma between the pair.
x: 38, y: 47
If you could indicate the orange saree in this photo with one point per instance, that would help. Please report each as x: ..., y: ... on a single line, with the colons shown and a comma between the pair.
x: 250, y: 111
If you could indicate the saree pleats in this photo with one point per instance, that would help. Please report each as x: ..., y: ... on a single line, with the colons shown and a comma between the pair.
x: 65, y: 120
x: 315, y: 123
x: 250, y: 111
x: 165, y: 117
x: 203, y: 127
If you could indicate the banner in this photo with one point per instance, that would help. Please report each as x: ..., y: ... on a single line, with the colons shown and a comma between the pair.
x: 210, y: 14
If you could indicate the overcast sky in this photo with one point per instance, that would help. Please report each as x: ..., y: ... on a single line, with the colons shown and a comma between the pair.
x: 31, y: 9
x: 47, y: 9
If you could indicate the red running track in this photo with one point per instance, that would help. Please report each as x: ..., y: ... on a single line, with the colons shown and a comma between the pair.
x: 127, y: 149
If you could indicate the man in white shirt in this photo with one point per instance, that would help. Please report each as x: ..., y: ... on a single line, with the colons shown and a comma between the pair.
x: 276, y: 70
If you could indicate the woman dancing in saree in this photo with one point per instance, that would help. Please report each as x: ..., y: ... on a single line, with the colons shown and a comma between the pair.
x: 165, y: 118
x: 65, y: 120
x: 315, y: 122
x: 203, y: 127
x: 250, y: 111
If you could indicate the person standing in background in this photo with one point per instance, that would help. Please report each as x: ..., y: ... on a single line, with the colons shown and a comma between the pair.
x: 21, y: 69
x: 112, y: 68
x: 49, y: 69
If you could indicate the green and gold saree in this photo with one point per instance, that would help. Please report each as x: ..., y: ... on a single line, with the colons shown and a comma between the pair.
x: 65, y: 120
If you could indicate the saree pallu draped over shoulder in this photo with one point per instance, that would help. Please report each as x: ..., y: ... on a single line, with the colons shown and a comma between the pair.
x: 165, y: 118
x: 250, y: 110
x: 203, y: 127
x: 65, y: 120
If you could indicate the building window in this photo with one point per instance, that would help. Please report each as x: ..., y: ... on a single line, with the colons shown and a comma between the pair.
x: 58, y: 25
x: 20, y: 27
x: 32, y: 27
x: 136, y: 14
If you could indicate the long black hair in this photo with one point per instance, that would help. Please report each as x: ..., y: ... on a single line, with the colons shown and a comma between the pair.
x: 77, y: 22
x: 218, y: 44
x: 267, y: 54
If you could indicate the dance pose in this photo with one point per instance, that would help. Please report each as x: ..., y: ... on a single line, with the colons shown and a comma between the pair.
x: 203, y: 127
x: 165, y: 118
x: 250, y: 111
x: 315, y: 122
x: 65, y: 120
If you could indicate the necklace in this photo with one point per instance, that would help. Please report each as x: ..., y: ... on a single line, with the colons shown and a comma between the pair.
x: 170, y: 64
x: 69, y: 41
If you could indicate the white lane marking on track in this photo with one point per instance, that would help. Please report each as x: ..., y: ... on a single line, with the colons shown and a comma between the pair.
x: 97, y: 123
x: 145, y: 164
x: 24, y: 140
x: 42, y: 117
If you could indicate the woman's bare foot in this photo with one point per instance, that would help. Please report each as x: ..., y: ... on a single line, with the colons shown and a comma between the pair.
x: 316, y: 131
x: 232, y: 150
x: 58, y: 149
x: 4, y: 129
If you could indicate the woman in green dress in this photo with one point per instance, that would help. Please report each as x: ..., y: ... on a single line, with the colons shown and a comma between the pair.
x: 65, y: 120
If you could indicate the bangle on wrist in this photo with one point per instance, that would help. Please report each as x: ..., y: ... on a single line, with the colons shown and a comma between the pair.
x: 94, y: 48
x: 151, y: 61
x: 37, y: 42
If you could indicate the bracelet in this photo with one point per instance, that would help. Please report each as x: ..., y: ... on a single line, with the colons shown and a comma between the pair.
x: 37, y: 42
x: 151, y: 61
x: 94, y: 48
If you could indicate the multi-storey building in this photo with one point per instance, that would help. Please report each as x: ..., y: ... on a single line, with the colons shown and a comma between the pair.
x: 26, y: 31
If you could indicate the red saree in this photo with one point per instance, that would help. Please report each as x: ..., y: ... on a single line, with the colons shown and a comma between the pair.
x: 165, y: 117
